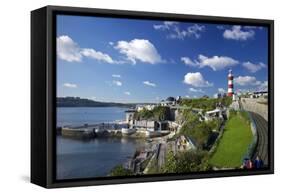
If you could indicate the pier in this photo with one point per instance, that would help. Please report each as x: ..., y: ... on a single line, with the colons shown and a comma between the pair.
x: 92, y: 130
x: 113, y: 129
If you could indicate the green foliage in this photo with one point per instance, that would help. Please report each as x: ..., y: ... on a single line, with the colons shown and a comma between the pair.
x: 191, y: 117
x: 201, y: 103
x: 153, y: 169
x: 170, y: 164
x: 183, y: 162
x: 206, y: 104
x: 119, y: 170
x: 199, y: 133
x: 198, y: 130
x: 226, y: 101
x: 143, y: 114
x: 159, y: 113
x: 214, y: 124
x: 245, y: 117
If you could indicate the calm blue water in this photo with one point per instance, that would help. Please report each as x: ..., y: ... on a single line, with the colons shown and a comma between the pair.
x: 94, y: 158
x: 90, y: 115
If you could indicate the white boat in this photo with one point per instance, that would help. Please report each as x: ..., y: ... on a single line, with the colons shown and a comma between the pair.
x: 128, y: 131
x: 100, y: 130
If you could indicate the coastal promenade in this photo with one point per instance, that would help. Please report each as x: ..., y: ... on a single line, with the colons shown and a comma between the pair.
x: 161, y: 154
x: 262, y: 132
x: 256, y: 105
x: 259, y: 113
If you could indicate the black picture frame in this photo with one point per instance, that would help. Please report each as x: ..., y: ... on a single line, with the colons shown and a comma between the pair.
x: 43, y: 95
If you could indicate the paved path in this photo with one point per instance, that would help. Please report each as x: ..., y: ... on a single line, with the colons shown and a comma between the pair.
x: 161, y: 154
x: 262, y: 132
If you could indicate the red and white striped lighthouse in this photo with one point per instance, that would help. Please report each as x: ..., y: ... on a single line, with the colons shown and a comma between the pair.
x: 230, y: 83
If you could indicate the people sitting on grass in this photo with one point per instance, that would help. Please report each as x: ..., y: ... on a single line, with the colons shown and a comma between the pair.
x: 249, y: 164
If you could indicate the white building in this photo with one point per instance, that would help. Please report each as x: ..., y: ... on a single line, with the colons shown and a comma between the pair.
x: 130, y: 116
x: 216, y: 113
x: 147, y: 107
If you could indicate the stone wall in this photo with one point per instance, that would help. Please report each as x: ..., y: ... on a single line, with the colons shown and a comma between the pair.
x: 256, y: 105
x: 253, y: 145
x: 144, y: 123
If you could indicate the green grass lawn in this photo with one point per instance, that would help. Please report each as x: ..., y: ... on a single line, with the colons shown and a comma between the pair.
x: 234, y: 142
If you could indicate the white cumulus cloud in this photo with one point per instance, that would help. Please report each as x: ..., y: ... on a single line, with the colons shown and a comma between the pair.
x: 127, y: 93
x: 196, y: 79
x: 196, y: 90
x: 91, y: 53
x: 117, y: 83
x: 165, y: 26
x: 116, y: 75
x: 221, y: 90
x: 70, y: 85
x: 195, y: 30
x: 246, y: 81
x: 70, y: 51
x: 188, y: 61
x: 215, y: 62
x: 237, y: 33
x: 253, y: 68
x: 175, y: 31
x: 148, y: 83
x: 139, y: 50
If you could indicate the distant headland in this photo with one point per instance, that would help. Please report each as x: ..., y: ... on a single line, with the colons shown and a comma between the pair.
x: 84, y: 102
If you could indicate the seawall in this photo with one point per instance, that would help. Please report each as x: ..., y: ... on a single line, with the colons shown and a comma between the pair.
x: 256, y: 105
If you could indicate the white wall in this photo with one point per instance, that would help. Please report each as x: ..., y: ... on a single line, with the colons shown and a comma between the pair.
x: 15, y: 82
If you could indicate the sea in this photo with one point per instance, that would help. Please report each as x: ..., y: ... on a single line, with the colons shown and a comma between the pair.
x: 78, y: 159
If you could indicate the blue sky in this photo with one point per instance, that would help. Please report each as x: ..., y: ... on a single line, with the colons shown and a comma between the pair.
x: 127, y: 60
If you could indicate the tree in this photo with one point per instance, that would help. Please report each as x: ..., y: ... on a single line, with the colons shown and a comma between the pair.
x: 183, y: 162
x: 159, y: 113
x: 203, y: 103
x: 143, y: 114
x: 206, y: 104
x: 200, y: 133
x: 197, y: 130
x: 214, y: 124
x: 170, y: 164
x: 119, y: 170
x: 226, y: 101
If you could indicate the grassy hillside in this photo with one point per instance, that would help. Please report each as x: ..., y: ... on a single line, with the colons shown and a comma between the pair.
x: 206, y: 103
x: 234, y: 143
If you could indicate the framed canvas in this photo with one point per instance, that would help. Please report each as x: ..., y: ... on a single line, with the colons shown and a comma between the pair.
x: 125, y: 96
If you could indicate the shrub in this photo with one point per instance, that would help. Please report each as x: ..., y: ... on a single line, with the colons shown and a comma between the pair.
x: 159, y: 113
x: 183, y: 162
x: 119, y: 170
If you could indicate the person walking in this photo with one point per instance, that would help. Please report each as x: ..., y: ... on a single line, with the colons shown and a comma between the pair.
x: 258, y: 163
